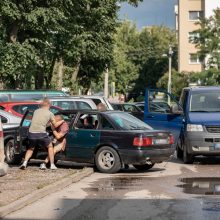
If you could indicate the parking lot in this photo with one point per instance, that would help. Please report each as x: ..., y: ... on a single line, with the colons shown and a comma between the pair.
x: 169, y: 191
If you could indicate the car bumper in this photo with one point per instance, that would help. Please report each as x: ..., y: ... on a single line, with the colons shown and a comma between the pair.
x: 203, y: 143
x: 143, y: 156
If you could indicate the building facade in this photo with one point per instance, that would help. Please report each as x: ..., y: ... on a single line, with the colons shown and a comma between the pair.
x: 188, y: 14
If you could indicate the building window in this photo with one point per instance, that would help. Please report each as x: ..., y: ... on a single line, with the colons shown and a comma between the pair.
x: 194, y: 58
x: 195, y: 15
x: 192, y: 36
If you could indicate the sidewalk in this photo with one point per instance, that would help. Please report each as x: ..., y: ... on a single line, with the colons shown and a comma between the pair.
x: 22, y: 187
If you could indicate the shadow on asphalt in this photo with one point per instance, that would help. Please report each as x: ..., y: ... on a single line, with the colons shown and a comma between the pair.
x: 200, y: 160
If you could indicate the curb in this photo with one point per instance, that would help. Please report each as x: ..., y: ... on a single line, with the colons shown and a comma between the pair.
x: 38, y: 194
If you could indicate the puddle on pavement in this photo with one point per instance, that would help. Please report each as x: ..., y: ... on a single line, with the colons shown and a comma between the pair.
x: 201, y: 185
x: 117, y: 183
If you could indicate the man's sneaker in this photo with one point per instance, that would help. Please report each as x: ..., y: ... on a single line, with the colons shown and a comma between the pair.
x: 43, y: 166
x: 53, y: 167
x: 23, y: 166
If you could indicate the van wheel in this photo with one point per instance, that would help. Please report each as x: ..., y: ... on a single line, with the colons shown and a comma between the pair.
x: 143, y: 167
x: 107, y: 160
x: 187, y: 158
x: 179, y: 151
x: 10, y: 156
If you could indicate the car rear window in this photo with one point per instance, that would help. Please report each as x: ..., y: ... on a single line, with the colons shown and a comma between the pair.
x: 21, y: 109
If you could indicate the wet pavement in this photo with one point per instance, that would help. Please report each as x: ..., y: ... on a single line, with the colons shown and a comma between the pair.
x: 168, y: 191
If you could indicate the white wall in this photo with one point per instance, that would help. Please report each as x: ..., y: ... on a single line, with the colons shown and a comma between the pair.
x: 210, y: 5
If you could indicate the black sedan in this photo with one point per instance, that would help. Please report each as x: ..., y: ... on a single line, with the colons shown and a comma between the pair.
x: 109, y: 140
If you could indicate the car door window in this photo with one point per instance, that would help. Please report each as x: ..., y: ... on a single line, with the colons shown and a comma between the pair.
x: 87, y: 121
x: 160, y: 102
x: 83, y: 105
x: 65, y: 105
x: 105, y: 124
x: 130, y: 108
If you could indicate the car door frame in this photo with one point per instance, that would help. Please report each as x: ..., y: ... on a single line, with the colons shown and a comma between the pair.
x: 167, y: 117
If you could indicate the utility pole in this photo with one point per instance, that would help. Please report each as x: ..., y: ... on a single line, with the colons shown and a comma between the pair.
x: 106, y: 82
x: 170, y: 72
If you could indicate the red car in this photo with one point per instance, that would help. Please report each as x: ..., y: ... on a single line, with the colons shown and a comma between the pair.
x: 19, y: 108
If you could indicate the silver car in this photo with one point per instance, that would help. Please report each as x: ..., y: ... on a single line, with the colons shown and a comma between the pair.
x: 9, y: 120
x: 69, y: 103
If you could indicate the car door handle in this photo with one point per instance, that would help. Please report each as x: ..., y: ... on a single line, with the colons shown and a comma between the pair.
x: 92, y: 135
x: 150, y: 116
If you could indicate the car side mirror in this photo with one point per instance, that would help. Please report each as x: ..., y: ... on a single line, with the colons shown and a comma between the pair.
x: 176, y: 109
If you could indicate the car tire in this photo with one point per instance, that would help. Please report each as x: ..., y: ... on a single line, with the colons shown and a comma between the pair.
x: 187, y: 158
x: 143, y: 167
x: 10, y: 156
x: 107, y: 160
x: 179, y: 151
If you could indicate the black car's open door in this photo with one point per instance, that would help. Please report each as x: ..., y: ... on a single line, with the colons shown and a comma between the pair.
x: 22, y: 136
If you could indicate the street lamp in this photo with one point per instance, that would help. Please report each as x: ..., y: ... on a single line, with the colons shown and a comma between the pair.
x: 170, y: 53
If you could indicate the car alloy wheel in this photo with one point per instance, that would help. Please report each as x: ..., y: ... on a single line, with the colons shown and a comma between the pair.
x: 107, y: 160
x: 10, y: 151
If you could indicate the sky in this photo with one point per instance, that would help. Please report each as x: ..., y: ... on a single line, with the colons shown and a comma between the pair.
x: 150, y: 12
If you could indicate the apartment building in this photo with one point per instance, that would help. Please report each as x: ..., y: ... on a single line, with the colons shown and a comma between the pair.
x: 187, y: 15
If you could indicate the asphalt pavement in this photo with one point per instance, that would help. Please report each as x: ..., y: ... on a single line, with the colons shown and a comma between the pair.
x: 169, y: 191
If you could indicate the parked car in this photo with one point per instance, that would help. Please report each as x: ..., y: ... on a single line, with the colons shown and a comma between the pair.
x: 27, y: 95
x: 19, y: 108
x: 70, y: 103
x: 196, y: 125
x: 9, y: 120
x: 3, y: 166
x: 129, y: 107
x: 115, y: 138
x: 97, y: 100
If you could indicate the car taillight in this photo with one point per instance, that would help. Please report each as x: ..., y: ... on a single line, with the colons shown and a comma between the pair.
x: 171, y: 139
x: 142, y: 141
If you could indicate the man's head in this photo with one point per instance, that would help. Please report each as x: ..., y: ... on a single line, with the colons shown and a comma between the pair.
x: 45, y: 103
x: 101, y: 107
x: 58, y: 118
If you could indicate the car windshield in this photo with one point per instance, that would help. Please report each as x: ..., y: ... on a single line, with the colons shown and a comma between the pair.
x: 205, y: 102
x: 128, y: 122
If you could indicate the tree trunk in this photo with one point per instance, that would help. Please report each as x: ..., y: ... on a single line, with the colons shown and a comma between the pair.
x: 75, y: 71
x: 49, y: 76
x: 60, y: 74
x: 1, y: 83
x: 14, y: 32
x: 39, y: 79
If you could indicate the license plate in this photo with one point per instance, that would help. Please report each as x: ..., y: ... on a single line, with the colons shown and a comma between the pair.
x: 160, y: 141
x: 217, y: 146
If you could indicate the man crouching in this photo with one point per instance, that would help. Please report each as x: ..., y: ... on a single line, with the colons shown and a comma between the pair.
x: 60, y: 141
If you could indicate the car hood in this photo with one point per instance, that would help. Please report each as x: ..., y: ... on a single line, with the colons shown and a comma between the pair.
x: 204, y: 118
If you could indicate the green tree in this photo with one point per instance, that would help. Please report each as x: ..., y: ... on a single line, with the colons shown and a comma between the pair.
x: 123, y: 70
x: 39, y: 35
x: 208, y: 39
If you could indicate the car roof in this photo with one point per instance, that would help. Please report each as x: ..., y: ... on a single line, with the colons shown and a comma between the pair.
x: 202, y: 88
x: 19, y: 103
x: 90, y: 111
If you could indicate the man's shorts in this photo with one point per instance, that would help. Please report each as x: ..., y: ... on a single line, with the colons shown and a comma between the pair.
x: 58, y: 146
x: 38, y: 140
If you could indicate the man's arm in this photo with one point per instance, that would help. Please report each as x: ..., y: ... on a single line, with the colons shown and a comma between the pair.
x: 55, y: 123
x: 62, y: 133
